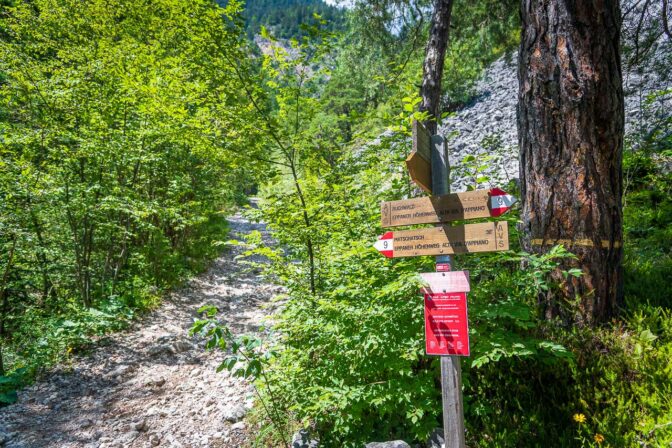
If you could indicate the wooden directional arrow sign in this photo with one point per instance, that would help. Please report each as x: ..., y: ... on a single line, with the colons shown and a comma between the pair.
x: 419, y: 162
x: 449, y: 207
x: 445, y: 240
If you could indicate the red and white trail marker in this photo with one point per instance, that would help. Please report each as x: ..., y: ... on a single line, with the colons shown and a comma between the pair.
x: 385, y: 244
x: 500, y: 202
x: 443, y: 267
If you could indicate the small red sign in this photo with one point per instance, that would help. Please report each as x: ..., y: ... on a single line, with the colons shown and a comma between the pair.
x: 446, y: 328
x: 442, y: 267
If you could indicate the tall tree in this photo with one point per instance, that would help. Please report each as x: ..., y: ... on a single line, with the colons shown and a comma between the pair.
x: 570, y: 124
x: 121, y: 128
x: 432, y: 68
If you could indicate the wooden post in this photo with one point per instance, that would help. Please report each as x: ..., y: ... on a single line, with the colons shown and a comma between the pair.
x: 451, y: 372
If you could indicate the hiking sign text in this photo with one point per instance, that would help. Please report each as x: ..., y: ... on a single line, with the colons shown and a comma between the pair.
x: 445, y: 240
x: 448, y: 207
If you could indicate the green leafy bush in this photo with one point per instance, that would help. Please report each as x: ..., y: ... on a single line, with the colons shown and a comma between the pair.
x: 121, y: 124
x: 350, y: 356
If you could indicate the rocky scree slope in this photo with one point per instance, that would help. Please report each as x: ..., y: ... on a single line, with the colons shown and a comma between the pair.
x: 486, y: 127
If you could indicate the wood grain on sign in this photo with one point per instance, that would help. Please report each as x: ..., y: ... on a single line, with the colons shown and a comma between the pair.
x: 436, y: 209
x: 419, y: 161
x: 447, y: 240
x: 422, y: 141
x: 420, y: 171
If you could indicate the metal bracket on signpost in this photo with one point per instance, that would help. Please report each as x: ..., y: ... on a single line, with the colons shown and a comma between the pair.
x: 440, y: 166
x: 451, y: 372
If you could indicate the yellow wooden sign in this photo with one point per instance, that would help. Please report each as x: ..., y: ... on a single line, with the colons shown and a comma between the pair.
x: 445, y: 240
x: 449, y: 207
x: 419, y: 162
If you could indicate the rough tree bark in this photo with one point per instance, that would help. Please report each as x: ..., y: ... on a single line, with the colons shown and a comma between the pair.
x: 432, y: 68
x: 570, y: 127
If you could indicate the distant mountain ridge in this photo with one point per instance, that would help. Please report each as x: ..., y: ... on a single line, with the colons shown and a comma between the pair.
x: 284, y: 17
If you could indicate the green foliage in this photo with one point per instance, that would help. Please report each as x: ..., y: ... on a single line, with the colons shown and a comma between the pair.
x: 648, y: 257
x: 128, y: 129
x: 616, y: 391
x: 121, y: 134
x: 627, y: 392
x: 247, y: 357
x: 351, y: 360
x: 503, y: 308
x: 8, y: 386
x: 648, y: 211
x: 480, y: 33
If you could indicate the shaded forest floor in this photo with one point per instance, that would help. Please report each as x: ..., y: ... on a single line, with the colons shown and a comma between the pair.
x: 152, y: 385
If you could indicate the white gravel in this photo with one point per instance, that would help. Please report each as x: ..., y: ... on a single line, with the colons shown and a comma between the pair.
x: 152, y: 385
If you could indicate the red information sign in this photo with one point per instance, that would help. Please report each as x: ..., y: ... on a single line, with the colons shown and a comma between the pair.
x: 446, y: 329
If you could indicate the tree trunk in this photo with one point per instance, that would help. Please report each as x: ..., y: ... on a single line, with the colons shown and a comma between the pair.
x: 570, y: 123
x: 432, y: 68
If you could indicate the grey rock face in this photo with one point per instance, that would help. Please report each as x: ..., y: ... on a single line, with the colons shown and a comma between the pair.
x: 436, y: 440
x: 119, y: 371
x: 234, y: 413
x: 4, y: 438
x: 486, y: 128
x: 140, y: 425
x: 160, y: 349
x: 302, y: 439
x: 392, y: 444
x: 182, y: 346
x: 238, y: 426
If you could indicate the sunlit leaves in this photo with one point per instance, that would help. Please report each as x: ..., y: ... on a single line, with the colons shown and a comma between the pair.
x: 125, y: 135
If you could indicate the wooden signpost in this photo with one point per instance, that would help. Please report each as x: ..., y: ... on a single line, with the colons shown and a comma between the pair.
x: 445, y: 240
x: 448, y: 207
x: 446, y: 326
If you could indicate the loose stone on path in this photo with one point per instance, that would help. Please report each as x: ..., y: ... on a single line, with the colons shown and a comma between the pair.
x: 152, y: 385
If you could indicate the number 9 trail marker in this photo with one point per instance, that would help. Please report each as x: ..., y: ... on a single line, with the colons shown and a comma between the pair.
x: 445, y: 240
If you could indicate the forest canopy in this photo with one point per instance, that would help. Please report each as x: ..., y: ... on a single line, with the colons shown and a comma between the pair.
x: 130, y: 130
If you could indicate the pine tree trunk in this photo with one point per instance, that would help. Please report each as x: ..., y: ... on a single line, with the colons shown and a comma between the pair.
x: 570, y: 123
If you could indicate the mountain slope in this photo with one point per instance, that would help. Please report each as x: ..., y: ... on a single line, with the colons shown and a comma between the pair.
x: 284, y: 17
x: 486, y: 126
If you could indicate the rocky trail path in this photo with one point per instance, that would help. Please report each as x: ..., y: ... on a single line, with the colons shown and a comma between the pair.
x: 153, y: 384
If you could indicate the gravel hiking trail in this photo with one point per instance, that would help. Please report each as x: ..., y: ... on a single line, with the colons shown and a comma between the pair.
x: 153, y: 384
